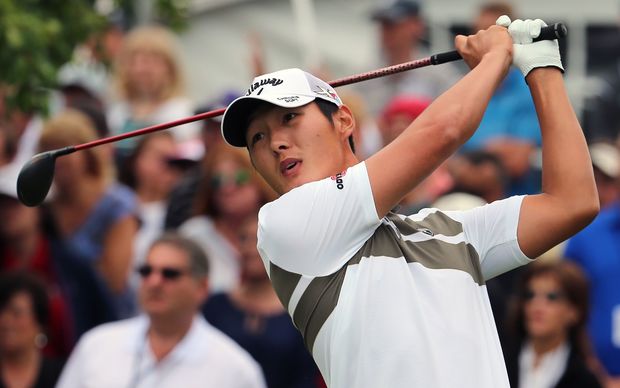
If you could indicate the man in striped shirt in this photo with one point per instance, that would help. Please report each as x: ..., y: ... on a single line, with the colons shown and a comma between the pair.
x: 386, y: 300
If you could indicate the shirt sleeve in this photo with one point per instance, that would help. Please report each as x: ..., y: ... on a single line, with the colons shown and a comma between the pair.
x: 315, y: 228
x: 492, y: 230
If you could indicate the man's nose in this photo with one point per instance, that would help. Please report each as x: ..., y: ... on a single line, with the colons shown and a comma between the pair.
x: 279, y: 141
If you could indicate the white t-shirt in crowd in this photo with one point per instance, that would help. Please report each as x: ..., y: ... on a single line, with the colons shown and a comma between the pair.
x: 224, y: 267
x: 549, y: 370
x: 151, y: 216
x: 117, y: 355
x: 393, y: 302
x: 174, y: 108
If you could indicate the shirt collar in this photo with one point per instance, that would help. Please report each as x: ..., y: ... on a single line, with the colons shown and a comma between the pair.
x: 188, y: 348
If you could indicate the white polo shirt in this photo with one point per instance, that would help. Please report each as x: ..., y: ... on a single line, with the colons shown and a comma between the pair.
x: 117, y: 355
x: 393, y: 302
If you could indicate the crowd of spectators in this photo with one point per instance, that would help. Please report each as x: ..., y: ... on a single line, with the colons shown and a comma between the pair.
x: 141, y: 268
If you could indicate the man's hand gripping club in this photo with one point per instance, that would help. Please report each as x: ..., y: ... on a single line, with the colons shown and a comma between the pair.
x: 527, y: 54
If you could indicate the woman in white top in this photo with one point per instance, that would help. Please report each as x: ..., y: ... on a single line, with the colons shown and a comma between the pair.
x: 550, y: 346
x: 150, y: 87
x: 230, y: 190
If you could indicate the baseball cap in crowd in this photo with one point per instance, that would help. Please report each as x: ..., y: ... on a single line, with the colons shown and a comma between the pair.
x: 409, y: 105
x: 288, y: 88
x: 90, y: 77
x: 606, y: 158
x: 395, y: 11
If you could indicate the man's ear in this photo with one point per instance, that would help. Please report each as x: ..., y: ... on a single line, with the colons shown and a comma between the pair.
x: 202, y: 290
x: 344, y: 121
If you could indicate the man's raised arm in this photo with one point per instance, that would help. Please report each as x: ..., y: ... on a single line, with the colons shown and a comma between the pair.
x: 446, y: 124
x: 569, y: 200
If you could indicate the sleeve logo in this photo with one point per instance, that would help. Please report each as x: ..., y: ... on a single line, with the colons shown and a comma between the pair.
x: 339, y: 180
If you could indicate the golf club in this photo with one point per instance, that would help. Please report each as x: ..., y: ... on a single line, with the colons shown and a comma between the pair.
x: 36, y: 176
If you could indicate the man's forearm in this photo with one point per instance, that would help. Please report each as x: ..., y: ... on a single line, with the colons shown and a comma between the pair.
x: 567, y: 168
x: 569, y: 200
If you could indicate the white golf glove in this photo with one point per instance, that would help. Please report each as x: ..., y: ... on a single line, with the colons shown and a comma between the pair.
x: 528, y: 55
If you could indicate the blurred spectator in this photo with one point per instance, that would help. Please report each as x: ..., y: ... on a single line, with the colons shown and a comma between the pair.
x: 24, y: 247
x: 149, y: 173
x: 83, y: 82
x: 550, y: 345
x: 21, y: 131
x: 480, y: 173
x: 596, y: 249
x: 458, y: 201
x: 170, y: 345
x: 8, y: 144
x: 24, y: 313
x: 402, y: 30
x: 396, y: 116
x: 150, y: 84
x: 606, y: 163
x: 181, y: 198
x: 252, y: 315
x: 92, y: 223
x: 509, y: 127
x: 229, y: 191
x: 601, y: 117
x: 95, y: 114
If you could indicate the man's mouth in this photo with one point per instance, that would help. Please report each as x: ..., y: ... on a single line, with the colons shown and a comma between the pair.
x: 290, y: 166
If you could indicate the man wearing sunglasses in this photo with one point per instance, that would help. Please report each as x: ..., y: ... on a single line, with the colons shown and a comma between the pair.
x: 170, y: 345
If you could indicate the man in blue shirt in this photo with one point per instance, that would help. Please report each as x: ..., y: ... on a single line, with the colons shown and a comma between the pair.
x: 597, y: 250
x: 509, y: 128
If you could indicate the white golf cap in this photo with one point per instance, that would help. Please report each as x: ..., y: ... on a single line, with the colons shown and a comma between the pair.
x: 288, y: 88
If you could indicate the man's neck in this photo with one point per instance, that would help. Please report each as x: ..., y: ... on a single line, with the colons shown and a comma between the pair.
x: 165, y: 334
x: 545, y: 345
x: 258, y: 297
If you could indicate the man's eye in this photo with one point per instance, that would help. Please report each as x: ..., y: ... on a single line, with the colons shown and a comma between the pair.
x: 256, y: 137
x: 288, y: 117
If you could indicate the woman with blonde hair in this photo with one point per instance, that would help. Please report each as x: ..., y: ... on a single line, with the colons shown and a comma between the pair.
x: 150, y: 86
x: 229, y: 191
x: 92, y: 223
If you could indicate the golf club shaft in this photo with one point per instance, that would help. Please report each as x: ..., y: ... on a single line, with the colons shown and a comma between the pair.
x: 555, y: 31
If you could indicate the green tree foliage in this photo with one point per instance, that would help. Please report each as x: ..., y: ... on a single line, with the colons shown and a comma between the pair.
x: 36, y: 38
x: 39, y: 36
x: 172, y: 13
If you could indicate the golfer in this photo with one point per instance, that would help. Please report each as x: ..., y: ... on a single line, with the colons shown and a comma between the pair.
x: 386, y: 300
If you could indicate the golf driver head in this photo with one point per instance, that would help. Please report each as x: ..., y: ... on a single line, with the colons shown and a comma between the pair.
x: 35, y: 178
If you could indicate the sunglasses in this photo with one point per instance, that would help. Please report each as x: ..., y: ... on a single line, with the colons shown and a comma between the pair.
x: 239, y: 178
x: 168, y: 273
x: 553, y: 296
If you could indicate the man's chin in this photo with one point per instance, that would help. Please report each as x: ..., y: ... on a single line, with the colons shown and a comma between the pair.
x: 155, y: 309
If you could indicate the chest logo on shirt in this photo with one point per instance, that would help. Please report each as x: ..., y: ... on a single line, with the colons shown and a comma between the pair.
x: 426, y: 231
x: 339, y: 180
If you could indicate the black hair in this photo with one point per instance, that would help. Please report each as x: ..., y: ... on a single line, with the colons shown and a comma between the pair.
x: 15, y: 282
x: 95, y: 114
x: 327, y: 109
x: 480, y: 157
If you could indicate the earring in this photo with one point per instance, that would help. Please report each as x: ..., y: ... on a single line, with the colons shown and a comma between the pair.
x: 40, y: 340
